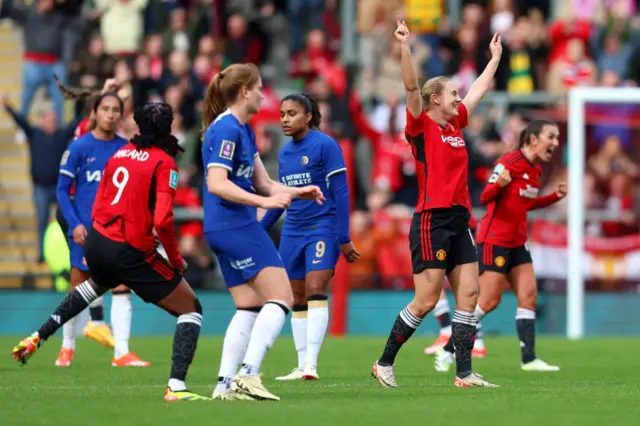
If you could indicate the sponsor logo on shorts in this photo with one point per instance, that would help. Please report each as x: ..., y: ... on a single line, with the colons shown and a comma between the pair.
x: 500, y: 261
x: 243, y: 264
x: 441, y: 255
x: 227, y: 149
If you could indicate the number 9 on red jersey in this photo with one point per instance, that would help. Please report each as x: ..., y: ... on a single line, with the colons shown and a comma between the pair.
x: 126, y: 200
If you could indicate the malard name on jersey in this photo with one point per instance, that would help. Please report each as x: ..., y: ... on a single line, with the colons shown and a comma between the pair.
x: 134, y: 154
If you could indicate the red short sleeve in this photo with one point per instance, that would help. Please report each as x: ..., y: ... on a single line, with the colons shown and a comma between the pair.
x: 463, y: 117
x: 415, y: 126
x: 167, y: 177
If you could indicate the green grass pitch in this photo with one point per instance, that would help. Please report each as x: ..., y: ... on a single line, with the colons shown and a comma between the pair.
x: 599, y: 384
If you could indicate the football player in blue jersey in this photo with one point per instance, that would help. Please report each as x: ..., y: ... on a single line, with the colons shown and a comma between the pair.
x: 249, y: 261
x: 82, y: 165
x: 313, y: 236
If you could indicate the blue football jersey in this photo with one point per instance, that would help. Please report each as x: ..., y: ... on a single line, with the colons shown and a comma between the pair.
x: 311, y: 161
x: 232, y: 146
x: 84, y: 160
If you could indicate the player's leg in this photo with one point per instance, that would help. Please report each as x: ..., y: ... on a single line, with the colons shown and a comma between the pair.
x: 443, y: 314
x: 463, y: 274
x: 428, y: 241
x: 78, y: 276
x: 257, y: 259
x: 236, y: 338
x: 321, y: 257
x: 183, y: 303
x: 77, y: 300
x: 317, y: 283
x: 121, y: 314
x: 293, y: 256
x: 272, y: 284
x: 523, y: 281
x: 493, y: 263
x: 299, y: 321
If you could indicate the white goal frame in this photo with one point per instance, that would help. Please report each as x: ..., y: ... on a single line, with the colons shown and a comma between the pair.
x: 578, y: 98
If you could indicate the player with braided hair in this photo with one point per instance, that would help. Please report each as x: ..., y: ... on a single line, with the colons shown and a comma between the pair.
x: 136, y: 196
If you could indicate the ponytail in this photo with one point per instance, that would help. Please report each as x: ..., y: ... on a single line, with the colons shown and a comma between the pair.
x: 316, y: 117
x: 214, y: 102
x: 225, y: 88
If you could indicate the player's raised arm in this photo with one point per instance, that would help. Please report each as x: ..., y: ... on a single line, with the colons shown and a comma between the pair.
x: 409, y: 76
x: 500, y: 177
x: 483, y: 83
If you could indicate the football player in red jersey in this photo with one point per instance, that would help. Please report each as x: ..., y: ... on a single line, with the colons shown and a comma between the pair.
x: 135, y: 196
x: 96, y: 329
x: 502, y: 235
x: 440, y: 239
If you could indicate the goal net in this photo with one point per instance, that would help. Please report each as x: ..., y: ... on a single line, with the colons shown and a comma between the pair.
x: 602, y: 155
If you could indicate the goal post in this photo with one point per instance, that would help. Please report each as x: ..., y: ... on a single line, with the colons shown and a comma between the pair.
x: 578, y: 99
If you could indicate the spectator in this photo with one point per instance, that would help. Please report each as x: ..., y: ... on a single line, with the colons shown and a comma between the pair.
x: 304, y: 16
x: 121, y: 25
x: 242, y: 46
x: 574, y: 69
x: 44, y: 37
x: 93, y: 66
x: 46, y: 146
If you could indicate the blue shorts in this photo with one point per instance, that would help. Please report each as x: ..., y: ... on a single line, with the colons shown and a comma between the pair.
x: 76, y: 253
x: 302, y: 254
x: 243, y: 252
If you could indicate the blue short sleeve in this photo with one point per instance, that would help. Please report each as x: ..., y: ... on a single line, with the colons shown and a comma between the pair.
x: 72, y: 159
x: 332, y: 158
x: 220, y: 145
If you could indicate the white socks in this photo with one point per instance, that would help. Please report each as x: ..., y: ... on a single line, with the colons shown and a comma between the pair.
x: 266, y: 329
x: 121, y: 322
x: 234, y: 347
x: 69, y: 334
x: 299, y: 329
x: 479, y: 314
x: 317, y: 324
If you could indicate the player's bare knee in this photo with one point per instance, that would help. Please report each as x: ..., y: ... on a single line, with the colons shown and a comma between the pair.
x: 467, y: 298
x: 299, y: 298
x: 421, y: 306
x: 527, y: 298
x: 488, y: 304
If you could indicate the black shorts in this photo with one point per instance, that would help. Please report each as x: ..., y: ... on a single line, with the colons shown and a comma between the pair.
x: 502, y: 259
x: 441, y: 239
x: 113, y: 263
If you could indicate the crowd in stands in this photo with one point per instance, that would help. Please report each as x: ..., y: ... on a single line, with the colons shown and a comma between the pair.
x: 170, y: 49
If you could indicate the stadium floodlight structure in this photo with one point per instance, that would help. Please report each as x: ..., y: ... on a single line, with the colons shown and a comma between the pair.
x: 578, y: 98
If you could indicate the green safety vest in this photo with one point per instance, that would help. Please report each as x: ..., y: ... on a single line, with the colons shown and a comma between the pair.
x: 56, y: 254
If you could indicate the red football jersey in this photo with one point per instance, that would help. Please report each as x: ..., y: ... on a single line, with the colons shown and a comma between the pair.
x: 135, y: 195
x: 82, y: 129
x: 441, y: 158
x: 505, y: 221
